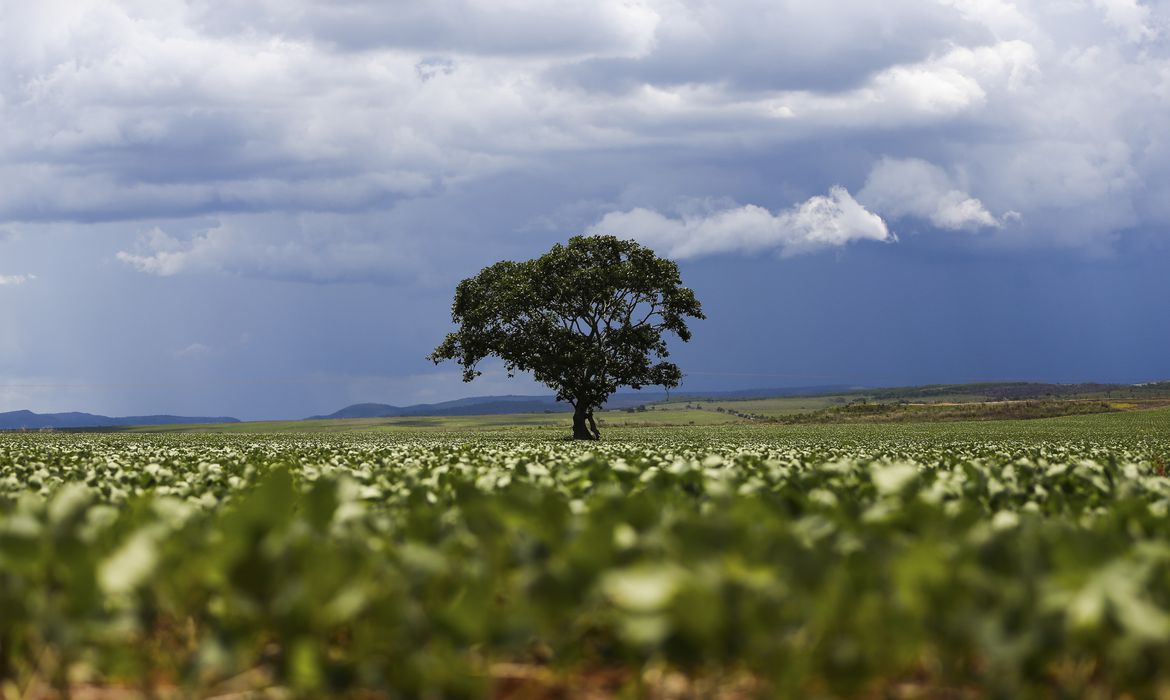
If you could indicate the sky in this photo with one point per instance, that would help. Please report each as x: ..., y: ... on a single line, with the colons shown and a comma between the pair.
x: 261, y: 208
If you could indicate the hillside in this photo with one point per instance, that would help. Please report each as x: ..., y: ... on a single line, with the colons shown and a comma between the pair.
x: 27, y: 420
x: 509, y: 404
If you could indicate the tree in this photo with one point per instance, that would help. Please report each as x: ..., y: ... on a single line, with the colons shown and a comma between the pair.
x: 585, y: 318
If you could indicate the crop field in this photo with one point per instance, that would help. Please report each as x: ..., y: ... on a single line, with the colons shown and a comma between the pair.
x: 983, y: 559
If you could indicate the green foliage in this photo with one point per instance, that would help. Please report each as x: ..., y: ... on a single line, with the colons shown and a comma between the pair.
x: 584, y: 318
x: 822, y: 562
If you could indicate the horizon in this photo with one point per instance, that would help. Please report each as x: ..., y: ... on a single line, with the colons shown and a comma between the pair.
x: 210, y: 210
x: 681, y: 392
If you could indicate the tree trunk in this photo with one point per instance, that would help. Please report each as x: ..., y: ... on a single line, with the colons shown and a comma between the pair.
x: 581, y: 418
x: 592, y: 425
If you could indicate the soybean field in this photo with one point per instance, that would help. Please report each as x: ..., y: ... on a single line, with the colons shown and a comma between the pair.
x: 963, y: 559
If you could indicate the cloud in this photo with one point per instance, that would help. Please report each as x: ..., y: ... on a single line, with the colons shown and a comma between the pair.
x: 762, y: 45
x: 819, y: 223
x: 1129, y: 16
x: 960, y: 82
x: 433, y: 67
x: 176, y: 111
x: 559, y: 27
x: 298, y: 250
x: 912, y: 187
x: 15, y: 280
x: 195, y: 350
x: 1000, y: 17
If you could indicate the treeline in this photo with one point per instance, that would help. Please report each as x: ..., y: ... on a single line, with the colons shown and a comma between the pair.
x: 908, y: 413
x: 1019, y: 391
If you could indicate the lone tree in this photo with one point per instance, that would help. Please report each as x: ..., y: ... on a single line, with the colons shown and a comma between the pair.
x: 584, y: 318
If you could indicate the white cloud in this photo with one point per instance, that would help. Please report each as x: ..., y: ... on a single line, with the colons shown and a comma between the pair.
x: 1003, y: 17
x: 821, y: 222
x: 14, y: 280
x: 912, y: 187
x: 1129, y: 16
x: 958, y: 83
x: 284, y: 249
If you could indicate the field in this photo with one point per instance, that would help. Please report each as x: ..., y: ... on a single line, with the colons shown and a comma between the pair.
x: 553, y: 423
x: 957, y: 559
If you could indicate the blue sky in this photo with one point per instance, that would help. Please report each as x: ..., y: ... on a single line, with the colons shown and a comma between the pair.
x: 263, y: 210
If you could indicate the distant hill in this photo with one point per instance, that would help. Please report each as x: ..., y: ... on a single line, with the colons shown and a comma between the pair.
x: 27, y: 420
x: 487, y: 405
x: 476, y: 405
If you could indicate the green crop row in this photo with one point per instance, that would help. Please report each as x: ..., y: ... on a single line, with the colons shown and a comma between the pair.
x: 812, y: 564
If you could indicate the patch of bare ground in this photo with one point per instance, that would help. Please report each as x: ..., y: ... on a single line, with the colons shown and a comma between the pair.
x: 525, y: 682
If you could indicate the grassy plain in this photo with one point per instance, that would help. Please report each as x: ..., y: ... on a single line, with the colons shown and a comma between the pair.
x: 727, y: 413
x: 558, y: 422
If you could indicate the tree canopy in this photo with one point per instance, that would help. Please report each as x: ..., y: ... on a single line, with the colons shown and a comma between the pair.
x: 585, y: 318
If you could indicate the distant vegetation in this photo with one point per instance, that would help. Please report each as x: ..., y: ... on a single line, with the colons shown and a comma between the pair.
x: 1016, y: 391
x: 902, y: 412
